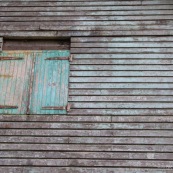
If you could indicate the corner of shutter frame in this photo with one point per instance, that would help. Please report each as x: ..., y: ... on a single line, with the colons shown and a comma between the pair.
x: 1, y: 43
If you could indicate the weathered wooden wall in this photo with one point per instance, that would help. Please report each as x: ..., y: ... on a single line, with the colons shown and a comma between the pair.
x: 122, y: 75
x: 55, y: 18
x: 120, y: 88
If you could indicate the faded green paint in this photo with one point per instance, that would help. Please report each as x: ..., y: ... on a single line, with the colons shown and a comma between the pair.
x: 14, y: 82
x: 49, y: 84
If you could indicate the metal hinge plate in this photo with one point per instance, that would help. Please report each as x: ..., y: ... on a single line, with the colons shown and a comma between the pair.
x: 2, y: 58
x: 8, y: 107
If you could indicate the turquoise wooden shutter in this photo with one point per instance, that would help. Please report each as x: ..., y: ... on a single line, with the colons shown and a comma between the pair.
x: 15, y: 72
x: 50, y: 84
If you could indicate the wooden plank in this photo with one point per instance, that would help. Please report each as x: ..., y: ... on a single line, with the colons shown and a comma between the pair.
x: 89, y: 18
x: 121, y: 39
x: 87, y: 8
x: 121, y: 50
x: 82, y: 170
x: 120, y: 92
x: 121, y: 105
x: 127, y: 112
x: 86, y: 13
x: 102, y: 28
x: 26, y: 27
x: 118, y: 56
x: 121, y: 98
x: 72, y: 3
x: 87, y: 140
x: 85, y: 162
x: 86, y: 125
x: 85, y: 23
x: 90, y: 133
x: 121, y: 86
x: 148, y: 2
x: 122, y: 61
x: 124, y: 67
x: 55, y: 34
x: 121, y: 79
x: 123, y: 45
x: 33, y: 140
x: 86, y: 155
x: 123, y: 141
x: 121, y: 73
x: 54, y: 118
x: 85, y: 147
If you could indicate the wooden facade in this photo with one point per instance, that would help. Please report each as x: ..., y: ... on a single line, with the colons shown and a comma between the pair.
x: 120, y: 87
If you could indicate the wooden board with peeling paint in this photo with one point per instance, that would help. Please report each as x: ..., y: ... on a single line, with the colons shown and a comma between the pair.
x: 14, y: 81
x: 50, y: 86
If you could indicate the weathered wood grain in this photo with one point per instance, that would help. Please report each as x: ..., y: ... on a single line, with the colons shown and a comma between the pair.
x: 87, y: 125
x: 54, y: 118
x: 115, y: 56
x: 125, y: 140
x: 89, y: 18
x: 122, y: 61
x: 72, y: 3
x: 83, y: 170
x: 86, y: 13
x: 88, y: 8
x: 86, y: 155
x: 120, y: 67
x: 120, y: 92
x: 85, y: 162
x: 123, y: 112
x: 49, y: 27
x: 122, y: 73
x: 121, y: 79
x: 121, y: 98
x: 86, y: 147
x: 87, y: 140
x: 121, y: 105
x: 57, y: 34
x: 134, y: 39
x: 90, y: 133
x: 123, y: 86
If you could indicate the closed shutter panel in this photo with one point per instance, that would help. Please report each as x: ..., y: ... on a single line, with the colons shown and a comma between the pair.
x: 15, y: 69
x: 50, y: 84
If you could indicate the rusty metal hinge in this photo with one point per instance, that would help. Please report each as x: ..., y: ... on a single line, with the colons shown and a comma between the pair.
x: 67, y: 108
x: 69, y: 58
x: 8, y: 107
x: 1, y: 43
x: 3, y: 58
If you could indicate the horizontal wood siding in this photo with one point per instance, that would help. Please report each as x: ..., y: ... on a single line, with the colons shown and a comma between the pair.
x: 121, y: 88
x: 121, y: 75
x: 130, y: 144
x: 54, y: 18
